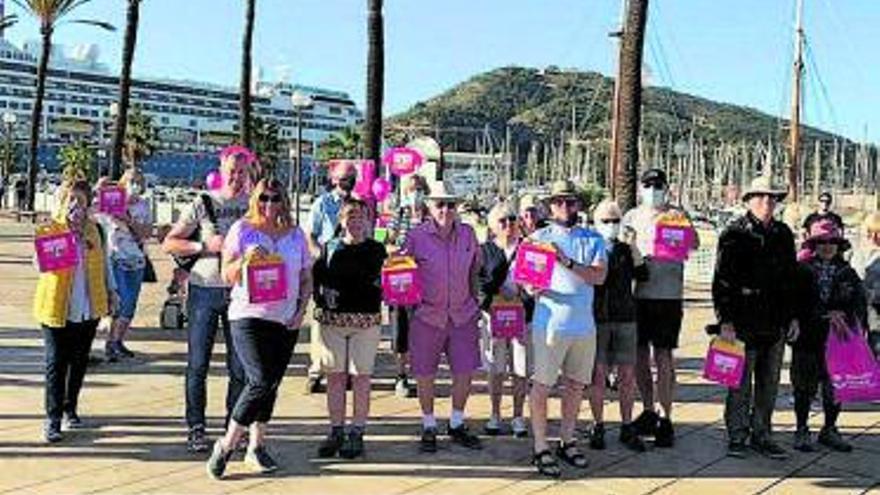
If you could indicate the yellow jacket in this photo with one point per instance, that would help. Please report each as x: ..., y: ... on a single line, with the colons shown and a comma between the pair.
x: 54, y: 288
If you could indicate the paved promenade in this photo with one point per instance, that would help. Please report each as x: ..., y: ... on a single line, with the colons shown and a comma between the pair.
x: 135, y: 443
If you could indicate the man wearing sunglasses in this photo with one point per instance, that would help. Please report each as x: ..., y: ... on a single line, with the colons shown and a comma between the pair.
x: 563, y: 328
x: 823, y: 213
x: 659, y: 310
x: 447, y: 320
x: 321, y: 227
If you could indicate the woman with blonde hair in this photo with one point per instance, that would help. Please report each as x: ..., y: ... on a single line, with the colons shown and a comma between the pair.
x: 264, y: 329
x: 126, y: 235
x: 68, y: 305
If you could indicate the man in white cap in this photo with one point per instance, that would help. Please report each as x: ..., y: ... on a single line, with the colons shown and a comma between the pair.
x: 321, y: 227
x: 753, y: 293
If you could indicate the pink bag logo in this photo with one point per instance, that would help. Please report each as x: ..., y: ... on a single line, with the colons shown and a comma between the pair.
x: 55, y: 251
x: 534, y: 265
x: 725, y: 362
x: 402, y: 161
x: 507, y: 320
x: 112, y: 201
x: 267, y: 281
x: 400, y: 282
x: 673, y: 242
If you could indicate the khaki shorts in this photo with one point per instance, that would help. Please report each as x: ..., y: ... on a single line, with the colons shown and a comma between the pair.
x: 504, y: 355
x: 573, y: 358
x: 360, y: 344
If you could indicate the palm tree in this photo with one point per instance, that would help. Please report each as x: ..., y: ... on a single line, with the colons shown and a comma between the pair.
x: 630, y: 100
x: 130, y: 41
x: 245, y: 121
x: 341, y: 145
x: 141, y: 138
x: 375, y: 81
x: 48, y: 13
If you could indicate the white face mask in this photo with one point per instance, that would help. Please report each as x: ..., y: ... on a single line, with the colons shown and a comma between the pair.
x: 653, y: 198
x: 135, y: 189
x: 608, y: 231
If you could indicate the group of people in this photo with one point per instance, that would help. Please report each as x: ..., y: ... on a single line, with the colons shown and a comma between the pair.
x: 611, y: 307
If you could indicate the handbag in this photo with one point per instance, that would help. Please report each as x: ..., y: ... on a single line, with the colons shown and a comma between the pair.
x: 149, y: 270
x: 852, y: 367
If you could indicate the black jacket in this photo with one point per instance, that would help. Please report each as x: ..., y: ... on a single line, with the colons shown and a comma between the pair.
x: 493, y: 273
x: 754, y: 284
x: 614, y: 300
x: 843, y: 291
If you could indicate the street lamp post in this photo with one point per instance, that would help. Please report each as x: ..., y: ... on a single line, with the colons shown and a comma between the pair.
x: 113, y: 110
x: 300, y: 101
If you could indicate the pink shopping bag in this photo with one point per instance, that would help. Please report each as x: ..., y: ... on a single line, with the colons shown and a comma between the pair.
x: 534, y: 264
x: 56, y: 248
x: 673, y: 242
x: 400, y: 282
x: 112, y: 201
x: 266, y: 279
x: 854, y: 372
x: 507, y: 319
x: 725, y: 362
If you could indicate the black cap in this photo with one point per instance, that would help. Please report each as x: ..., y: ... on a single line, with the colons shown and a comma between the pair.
x: 654, y: 176
x: 825, y: 196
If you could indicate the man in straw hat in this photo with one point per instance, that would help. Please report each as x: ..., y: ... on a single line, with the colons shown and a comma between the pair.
x: 563, y: 329
x: 753, y: 295
x: 446, y: 321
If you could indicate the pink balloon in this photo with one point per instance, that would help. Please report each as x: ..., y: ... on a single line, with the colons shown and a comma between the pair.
x: 214, y: 180
x: 381, y: 189
x: 366, y: 173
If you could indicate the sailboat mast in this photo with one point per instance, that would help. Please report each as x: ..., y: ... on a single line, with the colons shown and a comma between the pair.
x: 614, y: 155
x: 796, y: 103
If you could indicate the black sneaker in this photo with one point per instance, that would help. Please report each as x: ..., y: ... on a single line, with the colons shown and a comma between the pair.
x: 124, y: 351
x: 830, y: 437
x: 631, y: 439
x: 736, y: 449
x: 646, y: 423
x: 111, y: 353
x: 73, y: 422
x: 197, y: 440
x: 216, y: 464
x: 770, y: 450
x: 403, y: 388
x: 260, y: 460
x: 331, y: 445
x: 315, y: 385
x: 428, y: 443
x: 354, y: 444
x: 52, y: 431
x: 597, y: 437
x: 665, y: 434
x: 464, y: 437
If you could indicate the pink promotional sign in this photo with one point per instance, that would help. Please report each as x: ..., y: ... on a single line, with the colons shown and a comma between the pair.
x: 112, y: 201
x: 402, y: 161
x: 267, y: 280
x: 725, y: 362
x: 507, y: 320
x: 55, y: 250
x: 534, y: 265
x: 400, y: 282
x: 673, y: 242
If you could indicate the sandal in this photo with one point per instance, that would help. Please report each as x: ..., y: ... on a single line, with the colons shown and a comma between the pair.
x: 546, y: 464
x: 570, y: 453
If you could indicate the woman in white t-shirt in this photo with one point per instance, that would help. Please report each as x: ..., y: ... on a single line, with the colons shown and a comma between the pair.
x: 266, y: 261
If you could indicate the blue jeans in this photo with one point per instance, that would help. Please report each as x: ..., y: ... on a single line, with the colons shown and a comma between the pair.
x: 264, y: 349
x: 67, y: 356
x: 206, y: 308
x: 128, y: 286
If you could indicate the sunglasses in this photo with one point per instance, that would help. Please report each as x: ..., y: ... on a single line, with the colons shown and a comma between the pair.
x: 270, y: 198
x: 610, y: 220
x: 449, y: 205
x: 657, y: 186
x: 570, y: 202
x: 508, y: 220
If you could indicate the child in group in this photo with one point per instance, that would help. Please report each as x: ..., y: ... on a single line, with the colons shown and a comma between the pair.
x: 832, y: 300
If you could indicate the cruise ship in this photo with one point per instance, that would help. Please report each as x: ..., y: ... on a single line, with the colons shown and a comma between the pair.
x: 193, y: 119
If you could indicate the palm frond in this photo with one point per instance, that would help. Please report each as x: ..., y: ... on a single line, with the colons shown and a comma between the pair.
x: 7, y: 21
x: 90, y: 22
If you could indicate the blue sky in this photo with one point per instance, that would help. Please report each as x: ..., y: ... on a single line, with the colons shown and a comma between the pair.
x: 731, y: 50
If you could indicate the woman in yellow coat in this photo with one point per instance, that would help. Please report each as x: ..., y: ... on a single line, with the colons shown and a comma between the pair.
x: 68, y: 304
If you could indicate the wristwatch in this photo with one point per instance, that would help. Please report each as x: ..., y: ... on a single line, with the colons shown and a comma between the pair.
x: 569, y: 263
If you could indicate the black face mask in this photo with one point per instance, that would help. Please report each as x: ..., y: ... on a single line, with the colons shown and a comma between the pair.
x: 347, y: 183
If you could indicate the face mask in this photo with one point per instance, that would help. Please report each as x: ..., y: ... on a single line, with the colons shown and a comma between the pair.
x: 609, y: 231
x: 347, y: 183
x: 653, y: 197
x: 75, y: 215
x: 135, y: 189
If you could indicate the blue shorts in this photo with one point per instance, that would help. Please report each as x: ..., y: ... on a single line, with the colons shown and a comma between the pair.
x: 128, y: 287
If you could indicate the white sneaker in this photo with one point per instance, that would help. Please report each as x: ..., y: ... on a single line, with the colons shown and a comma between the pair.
x: 520, y: 427
x: 493, y: 426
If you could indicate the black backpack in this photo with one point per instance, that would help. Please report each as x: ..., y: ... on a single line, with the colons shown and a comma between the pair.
x: 186, y: 263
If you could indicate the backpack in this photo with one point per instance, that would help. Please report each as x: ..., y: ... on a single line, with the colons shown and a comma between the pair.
x: 187, y: 263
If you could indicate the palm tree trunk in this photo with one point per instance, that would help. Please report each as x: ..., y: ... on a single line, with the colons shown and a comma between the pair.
x: 245, y: 106
x: 131, y: 31
x: 631, y: 54
x: 37, y: 114
x: 375, y: 81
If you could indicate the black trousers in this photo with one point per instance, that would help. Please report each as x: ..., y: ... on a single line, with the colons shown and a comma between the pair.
x: 67, y: 356
x: 264, y: 349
